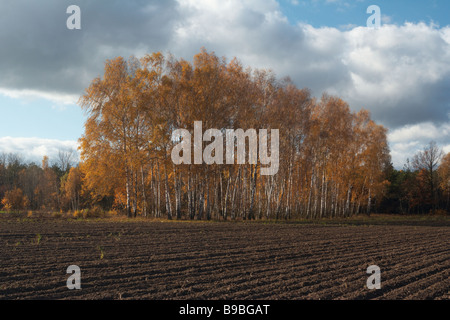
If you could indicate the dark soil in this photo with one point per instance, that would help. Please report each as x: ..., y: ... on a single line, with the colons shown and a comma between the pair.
x: 178, y: 260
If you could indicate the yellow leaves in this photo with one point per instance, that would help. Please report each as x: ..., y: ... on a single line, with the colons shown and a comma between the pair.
x: 444, y: 172
x: 72, y: 186
x: 45, y: 163
x: 135, y: 106
x: 15, y: 200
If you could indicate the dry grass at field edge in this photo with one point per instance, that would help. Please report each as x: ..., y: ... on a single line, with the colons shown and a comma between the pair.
x: 359, y: 220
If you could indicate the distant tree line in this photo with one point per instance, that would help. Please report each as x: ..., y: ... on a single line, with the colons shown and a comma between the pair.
x: 333, y: 162
x: 31, y: 186
x: 423, y: 186
x: 416, y: 189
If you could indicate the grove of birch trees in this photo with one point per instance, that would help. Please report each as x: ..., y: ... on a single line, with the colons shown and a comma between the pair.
x: 332, y: 160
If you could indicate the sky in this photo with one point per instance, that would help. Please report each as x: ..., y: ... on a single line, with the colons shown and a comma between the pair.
x: 400, y: 72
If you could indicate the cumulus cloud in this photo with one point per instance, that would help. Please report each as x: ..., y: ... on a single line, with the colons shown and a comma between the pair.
x: 34, y: 149
x: 401, y: 73
x: 39, y: 53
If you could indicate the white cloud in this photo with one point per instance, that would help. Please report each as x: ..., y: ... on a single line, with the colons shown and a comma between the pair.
x: 423, y: 131
x: 446, y: 148
x: 400, y: 73
x: 408, y: 140
x: 34, y: 149
x: 60, y: 99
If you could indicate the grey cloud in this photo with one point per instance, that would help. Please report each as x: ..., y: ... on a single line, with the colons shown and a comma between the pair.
x: 38, y: 52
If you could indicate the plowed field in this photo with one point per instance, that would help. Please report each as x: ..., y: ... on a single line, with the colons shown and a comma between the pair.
x: 177, y: 260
